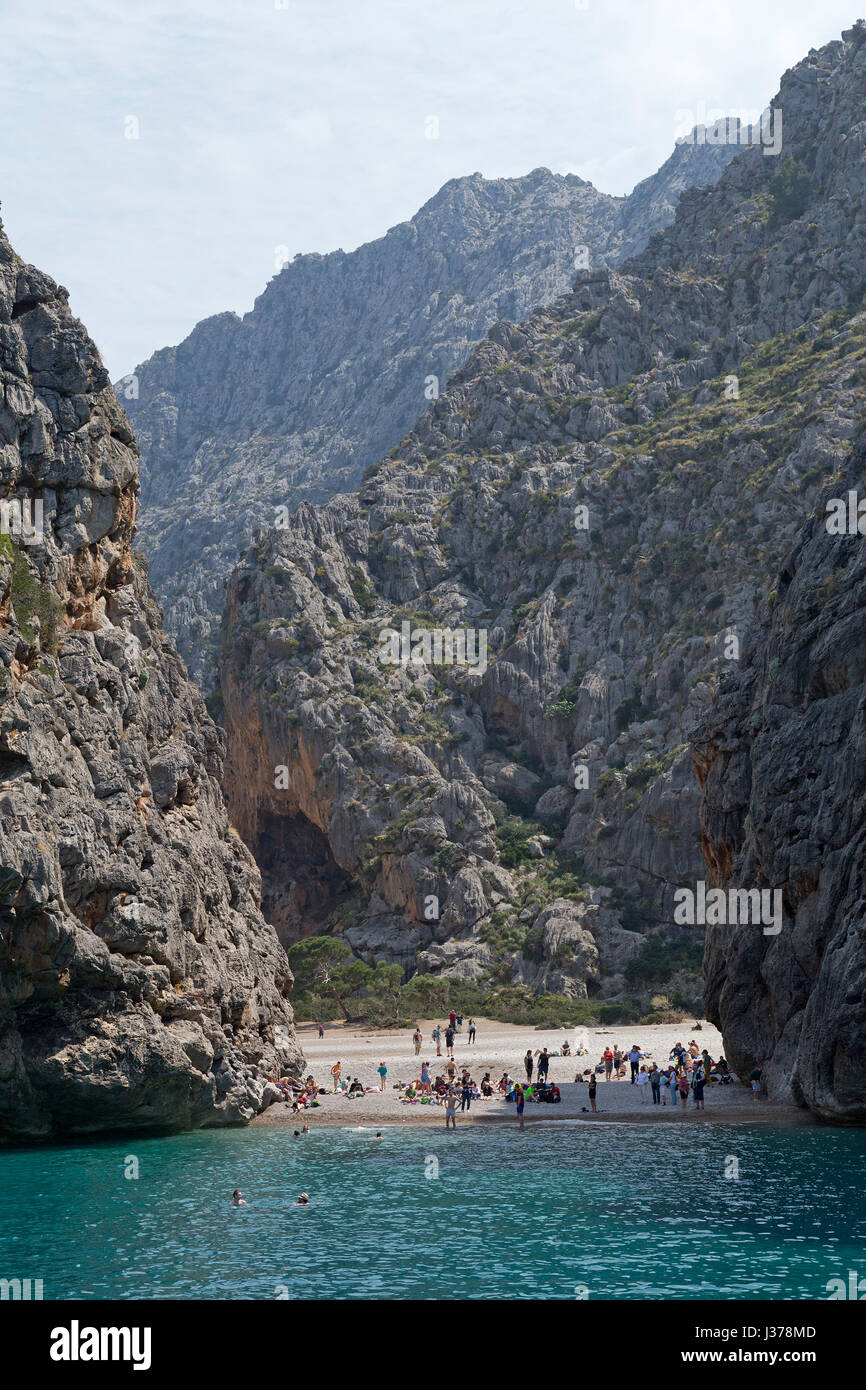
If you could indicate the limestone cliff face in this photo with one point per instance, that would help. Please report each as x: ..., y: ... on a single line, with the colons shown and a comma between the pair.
x: 782, y: 759
x: 329, y: 369
x: 605, y: 491
x: 139, y: 983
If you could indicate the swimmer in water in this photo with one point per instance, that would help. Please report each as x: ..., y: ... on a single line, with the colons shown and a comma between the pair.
x: 238, y: 1198
x: 378, y: 1134
x: 303, y: 1200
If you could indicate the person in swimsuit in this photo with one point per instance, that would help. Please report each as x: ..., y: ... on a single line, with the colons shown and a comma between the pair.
x: 520, y: 1102
x: 238, y: 1198
x: 607, y: 1058
x: 528, y: 1063
x: 592, y: 1089
x: 451, y: 1108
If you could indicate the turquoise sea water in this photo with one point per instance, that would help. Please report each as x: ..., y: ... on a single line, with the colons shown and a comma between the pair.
x: 626, y: 1211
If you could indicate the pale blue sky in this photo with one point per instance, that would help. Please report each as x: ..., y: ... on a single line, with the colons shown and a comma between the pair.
x: 303, y: 126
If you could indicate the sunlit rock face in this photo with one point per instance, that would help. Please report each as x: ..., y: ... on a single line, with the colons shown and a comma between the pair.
x: 139, y: 984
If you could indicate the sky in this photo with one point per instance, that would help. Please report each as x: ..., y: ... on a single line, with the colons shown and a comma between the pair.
x: 162, y: 158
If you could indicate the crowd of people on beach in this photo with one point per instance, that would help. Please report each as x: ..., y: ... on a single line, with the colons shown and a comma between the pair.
x: 688, y: 1072
x: 684, y: 1076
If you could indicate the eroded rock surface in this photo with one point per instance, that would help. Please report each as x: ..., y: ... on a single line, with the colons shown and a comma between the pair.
x: 695, y: 402
x: 139, y: 984
x: 783, y: 763
x: 330, y: 368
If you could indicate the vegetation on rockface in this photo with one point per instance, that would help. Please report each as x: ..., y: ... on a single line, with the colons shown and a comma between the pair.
x: 38, y: 610
x: 790, y: 191
x: 330, y: 985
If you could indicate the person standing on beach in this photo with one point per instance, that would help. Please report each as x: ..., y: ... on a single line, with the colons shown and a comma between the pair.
x: 472, y: 1030
x: 321, y: 1030
x: 449, y: 1041
x: 425, y: 1078
x: 519, y: 1102
x: 528, y: 1064
x: 642, y: 1081
x: 634, y: 1058
x: 655, y: 1077
x: 335, y: 1074
x: 698, y: 1083
x: 683, y: 1088
x: 383, y: 1072
x: 416, y: 1039
x: 755, y: 1077
x: 437, y: 1038
x: 452, y: 1019
x: 543, y: 1064
x: 617, y: 1062
x: 592, y: 1090
x: 466, y: 1093
x: 451, y: 1107
x: 607, y: 1058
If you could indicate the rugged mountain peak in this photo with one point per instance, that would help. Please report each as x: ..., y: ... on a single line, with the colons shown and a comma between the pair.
x: 604, y: 494
x: 341, y: 353
x: 139, y: 984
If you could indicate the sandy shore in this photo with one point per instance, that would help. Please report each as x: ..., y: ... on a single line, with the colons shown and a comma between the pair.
x: 500, y: 1047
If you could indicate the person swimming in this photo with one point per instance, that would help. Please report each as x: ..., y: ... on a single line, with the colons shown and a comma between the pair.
x: 238, y: 1198
x: 303, y: 1200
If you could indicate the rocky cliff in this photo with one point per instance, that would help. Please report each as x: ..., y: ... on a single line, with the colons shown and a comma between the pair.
x: 139, y: 984
x: 340, y: 353
x: 782, y: 759
x: 602, y: 495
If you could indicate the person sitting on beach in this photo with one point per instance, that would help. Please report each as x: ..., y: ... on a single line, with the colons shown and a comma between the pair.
x: 356, y: 1089
x: 486, y: 1086
x: 694, y: 1050
x: 565, y: 1050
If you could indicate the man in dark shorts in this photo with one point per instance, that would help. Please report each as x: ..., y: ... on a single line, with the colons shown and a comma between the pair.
x: 543, y: 1064
x: 520, y: 1102
x: 449, y: 1041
